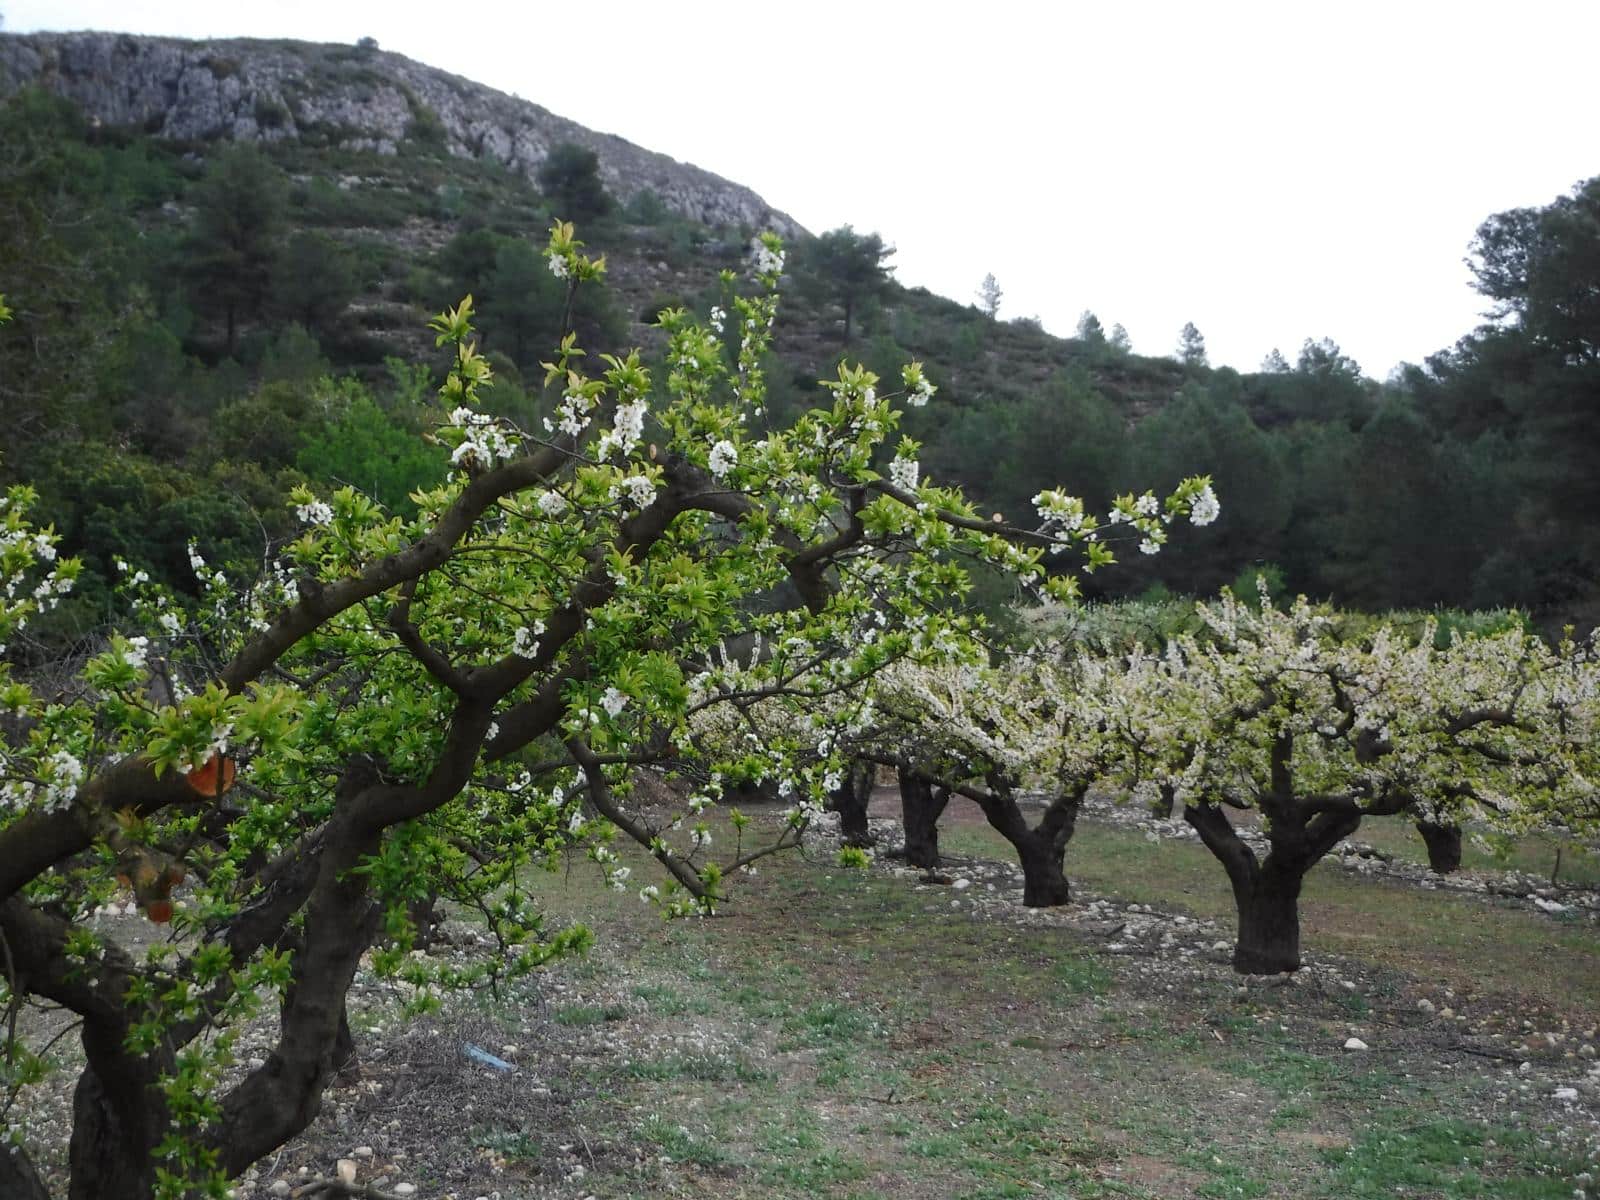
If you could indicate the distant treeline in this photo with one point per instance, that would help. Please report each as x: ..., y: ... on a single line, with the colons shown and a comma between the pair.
x: 199, y: 328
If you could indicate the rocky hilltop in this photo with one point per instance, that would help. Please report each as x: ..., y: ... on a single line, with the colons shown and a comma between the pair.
x: 355, y: 97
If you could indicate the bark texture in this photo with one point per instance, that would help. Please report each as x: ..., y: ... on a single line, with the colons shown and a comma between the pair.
x: 921, y: 805
x: 1444, y: 845
x: 850, y: 802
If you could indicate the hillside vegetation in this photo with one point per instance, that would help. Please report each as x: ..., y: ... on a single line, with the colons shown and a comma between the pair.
x: 212, y: 308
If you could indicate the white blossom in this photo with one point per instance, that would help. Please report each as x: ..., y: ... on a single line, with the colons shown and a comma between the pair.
x: 918, y: 390
x: 315, y: 512
x: 905, y: 472
x: 724, y: 457
x: 767, y: 260
x: 641, y: 490
x: 525, y: 642
x: 135, y: 654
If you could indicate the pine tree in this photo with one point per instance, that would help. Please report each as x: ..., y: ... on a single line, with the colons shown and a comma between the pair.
x: 989, y: 294
x: 1192, y: 347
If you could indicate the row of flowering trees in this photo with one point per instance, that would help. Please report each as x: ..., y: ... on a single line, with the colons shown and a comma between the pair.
x: 398, y: 711
x: 1276, y: 718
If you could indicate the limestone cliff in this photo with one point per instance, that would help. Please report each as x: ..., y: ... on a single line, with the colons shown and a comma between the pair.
x: 348, y: 96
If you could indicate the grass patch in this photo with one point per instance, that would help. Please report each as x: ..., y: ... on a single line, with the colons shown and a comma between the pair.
x: 590, y: 1014
x: 698, y: 1068
x: 1505, y: 953
x: 663, y: 1001
x: 1449, y: 1159
x: 828, y: 1021
x: 682, y: 1146
x: 922, y: 1051
x: 510, y: 1143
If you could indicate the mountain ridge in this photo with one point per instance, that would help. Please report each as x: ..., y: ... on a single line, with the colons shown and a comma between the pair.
x: 353, y: 97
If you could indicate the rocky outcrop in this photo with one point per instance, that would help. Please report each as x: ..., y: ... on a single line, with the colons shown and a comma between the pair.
x: 352, y: 97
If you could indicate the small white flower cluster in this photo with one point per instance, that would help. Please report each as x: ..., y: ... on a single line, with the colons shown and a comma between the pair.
x: 136, y: 653
x: 613, y: 701
x: 316, y: 512
x: 138, y: 577
x: 640, y: 489
x: 616, y: 875
x: 700, y: 837
x: 1205, y: 508
x: 719, y: 316
x: 905, y: 473
x: 525, y: 642
x: 220, y: 736
x: 486, y: 442
x: 551, y: 503
x: 1057, y: 510
x: 918, y: 390
x: 573, y: 413
x: 63, y: 772
x: 767, y: 260
x: 558, y: 264
x: 49, y: 590
x: 626, y: 430
x: 283, y: 579
x: 724, y: 457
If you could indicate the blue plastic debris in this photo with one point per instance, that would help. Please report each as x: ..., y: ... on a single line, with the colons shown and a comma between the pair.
x: 479, y: 1054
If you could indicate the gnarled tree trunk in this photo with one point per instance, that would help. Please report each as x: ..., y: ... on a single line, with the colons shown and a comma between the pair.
x: 1044, y: 877
x: 1041, y: 850
x: 1266, y: 892
x: 18, y: 1179
x: 118, y: 1119
x: 1161, y: 806
x: 1444, y: 845
x: 850, y: 802
x: 1268, y: 903
x: 921, y: 805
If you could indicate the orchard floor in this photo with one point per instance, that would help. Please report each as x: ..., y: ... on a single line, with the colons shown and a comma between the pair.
x: 860, y: 1033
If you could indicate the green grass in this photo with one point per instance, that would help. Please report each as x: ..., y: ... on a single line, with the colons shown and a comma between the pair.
x: 1534, y: 853
x: 590, y: 1014
x: 867, y: 1040
x: 679, y: 1144
x: 698, y: 1068
x: 1503, y: 953
x: 1451, y: 1159
x: 664, y: 1001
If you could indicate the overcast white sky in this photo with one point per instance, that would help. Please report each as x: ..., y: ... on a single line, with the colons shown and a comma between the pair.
x: 1270, y: 171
